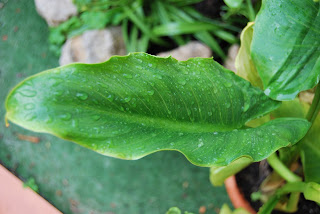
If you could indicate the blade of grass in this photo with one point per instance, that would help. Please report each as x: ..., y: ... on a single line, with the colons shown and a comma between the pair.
x: 176, y: 28
x: 143, y: 43
x: 134, y: 39
x: 182, y: 3
x: 206, y: 38
x: 198, y: 16
x: 125, y: 35
x: 165, y: 19
x: 141, y: 25
x: 226, y: 36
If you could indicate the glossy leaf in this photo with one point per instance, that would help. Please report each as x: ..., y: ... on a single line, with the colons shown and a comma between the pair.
x: 131, y: 106
x: 245, y: 67
x: 286, y: 47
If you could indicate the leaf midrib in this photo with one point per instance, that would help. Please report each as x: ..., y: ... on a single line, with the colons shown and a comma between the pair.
x: 162, y: 123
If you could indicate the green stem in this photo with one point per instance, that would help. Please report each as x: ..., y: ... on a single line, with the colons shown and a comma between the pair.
x: 294, y: 188
x: 282, y: 169
x: 269, y: 205
x: 315, y: 106
x: 292, y: 205
x: 252, y: 14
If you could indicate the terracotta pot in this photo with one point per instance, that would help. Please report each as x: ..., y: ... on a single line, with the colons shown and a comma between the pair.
x: 15, y: 199
x: 237, y: 198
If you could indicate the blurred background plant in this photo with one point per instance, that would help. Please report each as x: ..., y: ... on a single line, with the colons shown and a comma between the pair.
x: 160, y: 23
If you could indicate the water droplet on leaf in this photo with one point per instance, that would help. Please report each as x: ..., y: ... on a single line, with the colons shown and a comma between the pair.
x: 82, y: 96
x: 151, y: 92
x: 182, y: 81
x: 66, y: 116
x: 29, y: 106
x: 30, y: 117
x: 128, y: 76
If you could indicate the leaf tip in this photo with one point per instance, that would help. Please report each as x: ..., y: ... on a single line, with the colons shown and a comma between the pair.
x: 6, y: 121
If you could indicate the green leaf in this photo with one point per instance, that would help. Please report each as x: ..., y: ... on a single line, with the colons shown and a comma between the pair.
x: 233, y: 3
x: 310, y: 153
x: 244, y: 64
x: 225, y: 209
x: 218, y: 174
x: 286, y: 47
x: 312, y: 192
x: 176, y: 28
x: 174, y: 210
x: 95, y: 19
x: 132, y: 106
x: 31, y: 183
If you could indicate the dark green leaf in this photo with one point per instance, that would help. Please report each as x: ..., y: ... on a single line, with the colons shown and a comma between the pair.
x: 286, y: 47
x: 310, y: 153
x: 131, y: 106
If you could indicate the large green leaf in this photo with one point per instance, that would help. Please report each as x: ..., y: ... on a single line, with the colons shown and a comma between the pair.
x: 131, y: 106
x: 286, y: 46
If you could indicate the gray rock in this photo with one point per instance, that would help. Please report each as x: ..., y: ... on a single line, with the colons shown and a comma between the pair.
x: 231, y: 59
x: 93, y: 46
x: 55, y: 11
x: 192, y: 49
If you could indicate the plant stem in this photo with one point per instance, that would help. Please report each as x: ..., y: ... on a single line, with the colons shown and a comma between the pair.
x: 315, y: 106
x: 294, y: 188
x: 282, y: 169
x: 252, y: 14
x: 269, y: 205
x: 292, y: 205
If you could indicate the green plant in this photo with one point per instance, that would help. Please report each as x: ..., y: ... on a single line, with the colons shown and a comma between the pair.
x: 31, y: 183
x: 135, y: 105
x: 145, y: 21
x: 234, y: 8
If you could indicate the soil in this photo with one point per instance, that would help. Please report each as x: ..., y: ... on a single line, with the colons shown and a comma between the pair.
x: 210, y: 8
x: 251, y: 178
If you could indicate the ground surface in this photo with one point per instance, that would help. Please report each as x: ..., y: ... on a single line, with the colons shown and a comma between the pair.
x: 73, y: 178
